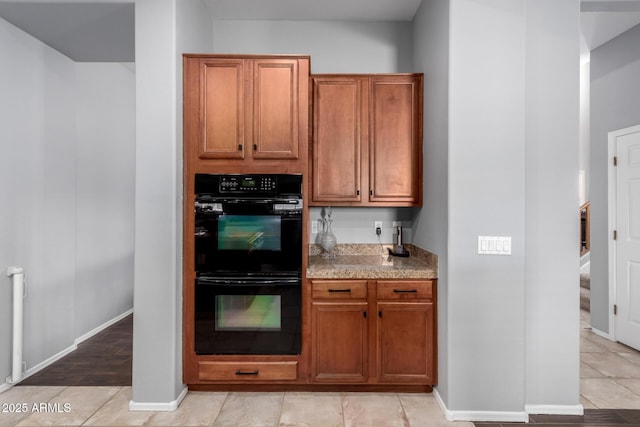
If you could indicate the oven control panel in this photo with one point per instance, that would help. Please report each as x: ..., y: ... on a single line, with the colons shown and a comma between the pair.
x: 248, y: 184
x: 245, y: 185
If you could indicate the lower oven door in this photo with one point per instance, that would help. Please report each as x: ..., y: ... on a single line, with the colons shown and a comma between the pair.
x: 248, y: 315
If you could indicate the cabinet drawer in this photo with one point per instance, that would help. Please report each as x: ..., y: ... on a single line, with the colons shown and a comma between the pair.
x: 339, y: 289
x: 405, y: 290
x: 247, y: 371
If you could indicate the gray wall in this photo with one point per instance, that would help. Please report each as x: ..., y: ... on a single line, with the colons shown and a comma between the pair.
x: 66, y: 158
x: 37, y: 190
x: 104, y: 192
x: 164, y: 30
x: 334, y: 46
x: 512, y: 164
x: 486, y: 197
x: 615, y: 104
x: 551, y: 189
x: 430, y: 228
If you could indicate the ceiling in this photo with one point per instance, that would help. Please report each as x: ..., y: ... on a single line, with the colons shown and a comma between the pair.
x: 104, y: 30
x: 85, y: 32
x: 351, y: 10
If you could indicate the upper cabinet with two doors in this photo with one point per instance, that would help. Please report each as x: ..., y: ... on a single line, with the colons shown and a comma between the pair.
x: 367, y: 140
x: 247, y: 111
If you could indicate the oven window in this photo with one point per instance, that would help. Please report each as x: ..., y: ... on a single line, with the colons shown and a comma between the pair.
x: 248, y: 313
x: 249, y: 232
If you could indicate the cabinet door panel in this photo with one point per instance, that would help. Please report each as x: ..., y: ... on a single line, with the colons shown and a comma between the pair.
x: 222, y: 107
x: 275, y: 113
x: 339, y: 348
x: 337, y: 134
x: 394, y: 151
x: 405, y: 342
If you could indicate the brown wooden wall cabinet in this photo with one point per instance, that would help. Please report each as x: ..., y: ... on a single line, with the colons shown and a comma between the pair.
x: 373, y: 332
x: 250, y: 110
x: 367, y: 140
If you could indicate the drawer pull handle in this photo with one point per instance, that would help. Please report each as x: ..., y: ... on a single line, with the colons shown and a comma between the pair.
x: 239, y: 372
x: 340, y: 290
x: 239, y: 147
x: 405, y: 291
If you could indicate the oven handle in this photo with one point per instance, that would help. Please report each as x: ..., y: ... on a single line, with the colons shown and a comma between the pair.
x: 254, y: 201
x: 254, y: 282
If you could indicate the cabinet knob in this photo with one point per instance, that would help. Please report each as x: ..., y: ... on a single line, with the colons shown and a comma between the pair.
x: 239, y: 147
x: 255, y: 147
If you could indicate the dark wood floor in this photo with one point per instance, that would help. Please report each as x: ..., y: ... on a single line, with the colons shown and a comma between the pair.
x: 102, y: 360
x: 591, y: 418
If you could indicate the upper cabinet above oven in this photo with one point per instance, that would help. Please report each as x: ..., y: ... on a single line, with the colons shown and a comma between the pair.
x: 246, y: 111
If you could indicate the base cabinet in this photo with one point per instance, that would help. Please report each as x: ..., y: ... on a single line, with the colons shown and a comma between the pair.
x: 373, y: 332
x: 405, y: 350
x: 340, y: 340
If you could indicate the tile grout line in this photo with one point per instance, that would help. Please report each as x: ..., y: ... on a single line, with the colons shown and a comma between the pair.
x: 224, y: 402
x: 103, y: 405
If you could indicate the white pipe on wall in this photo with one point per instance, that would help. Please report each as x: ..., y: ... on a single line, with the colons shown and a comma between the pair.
x: 17, y: 277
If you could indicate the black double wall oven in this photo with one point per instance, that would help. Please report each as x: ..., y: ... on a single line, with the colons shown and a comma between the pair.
x: 248, y: 263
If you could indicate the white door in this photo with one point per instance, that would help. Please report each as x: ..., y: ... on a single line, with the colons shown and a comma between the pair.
x: 627, y: 268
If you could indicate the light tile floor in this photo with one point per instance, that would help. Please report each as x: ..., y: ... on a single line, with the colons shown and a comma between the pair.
x: 609, y: 371
x: 108, y: 406
x: 610, y: 378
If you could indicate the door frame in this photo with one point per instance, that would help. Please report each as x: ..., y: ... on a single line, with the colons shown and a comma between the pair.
x: 611, y: 220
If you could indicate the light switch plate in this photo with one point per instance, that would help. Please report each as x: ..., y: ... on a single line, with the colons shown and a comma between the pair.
x: 494, y: 245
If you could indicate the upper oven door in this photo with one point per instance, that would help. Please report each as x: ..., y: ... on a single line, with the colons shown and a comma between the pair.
x: 248, y: 235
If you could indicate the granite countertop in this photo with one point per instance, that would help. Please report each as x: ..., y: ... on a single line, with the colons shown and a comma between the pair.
x: 371, y: 262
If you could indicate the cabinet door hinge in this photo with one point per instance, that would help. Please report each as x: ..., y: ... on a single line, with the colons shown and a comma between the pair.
x: 615, y: 309
x: 615, y: 160
x: 615, y: 234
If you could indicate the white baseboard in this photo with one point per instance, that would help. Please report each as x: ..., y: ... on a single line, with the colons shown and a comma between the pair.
x: 40, y: 366
x: 506, y: 416
x: 601, y: 333
x: 4, y: 387
x: 555, y: 409
x: 159, y: 406
x: 102, y: 327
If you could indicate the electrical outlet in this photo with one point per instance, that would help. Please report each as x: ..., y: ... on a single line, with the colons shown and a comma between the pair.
x: 396, y: 223
x: 377, y: 226
x: 314, y: 227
